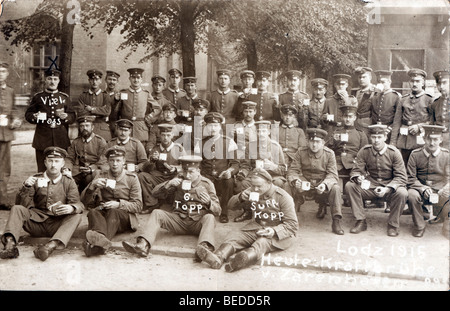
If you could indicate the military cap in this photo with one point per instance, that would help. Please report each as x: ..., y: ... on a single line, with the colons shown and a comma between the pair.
x: 165, y: 127
x: 55, y: 152
x: 262, y: 74
x: 169, y: 106
x: 110, y: 73
x: 200, y: 103
x: 214, y: 117
x: 286, y: 108
x: 293, y: 73
x: 377, y: 129
x: 135, y: 71
x: 86, y: 118
x: 249, y: 105
x: 345, y: 109
x: 52, y: 73
x: 174, y: 71
x: 189, y: 80
x: 361, y: 70
x: 439, y: 75
x: 4, y: 64
x: 115, y: 151
x: 92, y: 73
x: 260, y: 172
x: 338, y: 78
x: 433, y: 130
x: 158, y: 78
x: 247, y: 73
x: 263, y: 124
x: 316, y: 133
x: 222, y: 72
x: 415, y: 72
x: 190, y: 161
x: 383, y: 73
x: 124, y: 123
x: 319, y: 83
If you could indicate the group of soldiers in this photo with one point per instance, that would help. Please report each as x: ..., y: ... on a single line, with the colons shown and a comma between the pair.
x: 255, y: 151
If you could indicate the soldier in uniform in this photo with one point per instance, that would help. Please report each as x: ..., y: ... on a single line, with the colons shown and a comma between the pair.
x: 331, y: 116
x: 113, y: 199
x: 244, y: 131
x: 385, y: 101
x: 440, y: 107
x: 135, y: 156
x: 414, y: 110
x: 294, y: 97
x: 184, y: 106
x: 317, y: 103
x: 85, y: 152
x: 379, y: 173
x: 168, y: 115
x: 173, y: 92
x: 273, y: 226
x: 428, y: 178
x: 48, y: 204
x: 266, y: 102
x: 263, y: 153
x: 290, y: 137
x: 346, y: 142
x: 158, y: 84
x: 194, y: 207
x: 220, y: 163
x: 247, y: 79
x: 161, y: 166
x: 97, y: 103
x: 224, y: 99
x: 364, y: 95
x: 51, y: 111
x: 111, y: 79
x: 9, y: 121
x: 197, y: 125
x: 138, y: 105
x: 314, y: 172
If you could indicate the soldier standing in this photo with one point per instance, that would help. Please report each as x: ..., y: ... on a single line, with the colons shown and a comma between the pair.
x: 290, y: 137
x: 52, y: 113
x: 247, y: 79
x: 173, y: 92
x: 48, y: 205
x: 294, y: 97
x: 114, y: 198
x: 9, y: 121
x: 97, y: 103
x: 364, y: 96
x: 428, y: 178
x: 158, y: 84
x: 414, y: 110
x: 273, y: 226
x: 313, y: 171
x: 244, y: 131
x: 440, y: 107
x: 168, y: 115
x: 379, y: 173
x: 184, y: 105
x: 111, y: 79
x: 224, y: 98
x: 194, y: 207
x: 317, y: 103
x: 266, y: 102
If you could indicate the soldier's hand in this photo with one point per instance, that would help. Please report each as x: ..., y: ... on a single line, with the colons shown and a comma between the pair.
x: 88, y: 108
x: 30, y: 181
x: 266, y: 232
x: 66, y: 172
x: 155, y: 156
x: 64, y: 209
x: 245, y: 195
x: 427, y: 193
x: 111, y: 205
x: 16, y: 123
x: 99, y: 183
x: 204, y: 197
x: 175, y: 182
x: 240, y: 176
x: 321, y: 188
x: 359, y: 179
x: 342, y: 94
x: 61, y: 114
x: 269, y: 165
x: 84, y: 169
x: 381, y: 191
x: 444, y: 192
x: 298, y: 185
x: 225, y: 174
x: 117, y: 95
x: 414, y: 129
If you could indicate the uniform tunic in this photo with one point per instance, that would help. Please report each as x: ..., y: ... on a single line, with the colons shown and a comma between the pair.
x: 295, y: 99
x: 440, y: 116
x: 315, y: 111
x: 224, y: 102
x: 101, y: 104
x: 173, y: 95
x: 266, y: 107
x: 113, y: 115
x: 331, y: 107
x: 135, y: 152
x: 185, y: 110
x: 364, y: 102
x: 291, y: 138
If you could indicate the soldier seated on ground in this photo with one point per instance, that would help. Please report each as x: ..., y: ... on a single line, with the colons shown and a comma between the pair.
x: 47, y: 205
x: 114, y: 198
x: 194, y: 206
x: 313, y: 171
x: 428, y: 178
x: 273, y: 226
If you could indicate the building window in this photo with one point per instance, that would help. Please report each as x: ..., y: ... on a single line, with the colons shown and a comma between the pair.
x: 401, y: 62
x: 43, y: 56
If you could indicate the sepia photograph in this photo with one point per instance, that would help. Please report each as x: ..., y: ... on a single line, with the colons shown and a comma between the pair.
x: 224, y: 150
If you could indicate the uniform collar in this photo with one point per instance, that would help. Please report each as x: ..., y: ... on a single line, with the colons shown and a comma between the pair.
x: 193, y: 97
x: 157, y: 96
x: 89, y: 138
x: 96, y: 93
x: 135, y: 91
x: 269, y: 193
x: 54, y: 181
x: 248, y: 124
x: 368, y: 89
x: 51, y: 92
x: 435, y: 154
x: 123, y: 142
x: 224, y: 92
x: 197, y: 181
x: 381, y: 152
x: 320, y: 100
x: 417, y: 95
x: 293, y: 92
x: 172, y: 90
x: 110, y: 175
x: 317, y: 154
x: 168, y: 148
x: 287, y: 126
x: 261, y: 92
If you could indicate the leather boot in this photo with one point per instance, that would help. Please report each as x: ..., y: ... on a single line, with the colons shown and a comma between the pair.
x: 92, y: 250
x: 10, y: 251
x: 206, y: 245
x: 361, y: 225
x: 98, y: 239
x: 245, y: 215
x: 142, y: 247
x: 321, y: 212
x: 44, y: 251
x: 336, y: 226
x: 242, y: 259
x: 217, y: 258
x: 392, y: 231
